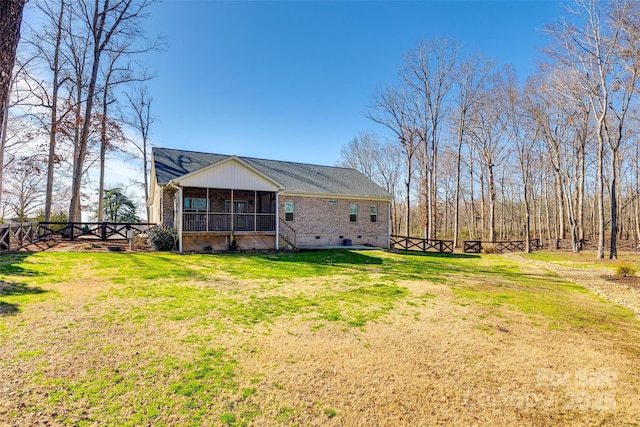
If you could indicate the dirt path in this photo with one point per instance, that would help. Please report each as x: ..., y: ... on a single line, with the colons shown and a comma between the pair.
x: 617, y: 290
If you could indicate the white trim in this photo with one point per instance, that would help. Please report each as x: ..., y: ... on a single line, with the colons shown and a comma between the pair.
x: 152, y: 183
x: 277, y: 222
x: 179, y: 219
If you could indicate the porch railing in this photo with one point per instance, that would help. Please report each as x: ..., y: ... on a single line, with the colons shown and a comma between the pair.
x: 222, y: 222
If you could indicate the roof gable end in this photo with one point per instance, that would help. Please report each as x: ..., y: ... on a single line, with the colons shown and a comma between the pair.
x: 230, y: 172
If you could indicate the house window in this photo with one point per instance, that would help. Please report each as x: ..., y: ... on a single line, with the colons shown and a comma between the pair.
x: 353, y: 213
x: 288, y: 211
x: 373, y: 214
x: 195, y: 204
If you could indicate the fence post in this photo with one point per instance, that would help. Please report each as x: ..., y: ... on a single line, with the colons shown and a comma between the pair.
x: 103, y: 232
x: 5, y: 238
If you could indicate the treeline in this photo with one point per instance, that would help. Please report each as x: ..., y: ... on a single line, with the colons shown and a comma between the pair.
x: 470, y: 152
x: 77, y: 93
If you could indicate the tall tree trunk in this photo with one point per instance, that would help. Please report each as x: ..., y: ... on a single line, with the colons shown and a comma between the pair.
x: 99, y: 44
x: 103, y: 154
x: 10, y: 21
x: 492, y: 204
x: 408, y: 201
x: 433, y: 184
x: 527, y: 220
x: 560, y: 206
x: 580, y: 196
x: 637, y: 195
x: 456, y: 212
x: 482, y: 205
x: 474, y: 224
x: 600, y: 190
x: 54, y: 117
x: 3, y: 144
x: 613, y: 251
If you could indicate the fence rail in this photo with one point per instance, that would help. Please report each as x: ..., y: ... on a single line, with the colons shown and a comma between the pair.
x: 91, y: 230
x: 18, y: 235
x: 419, y: 244
x: 477, y: 246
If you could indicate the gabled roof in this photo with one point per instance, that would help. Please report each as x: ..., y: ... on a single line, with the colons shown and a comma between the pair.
x: 302, y: 178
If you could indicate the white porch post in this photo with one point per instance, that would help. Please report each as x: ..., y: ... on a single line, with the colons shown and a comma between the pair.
x: 180, y: 218
x: 277, y: 222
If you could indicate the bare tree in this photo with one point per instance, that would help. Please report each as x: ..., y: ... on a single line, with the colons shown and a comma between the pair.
x: 25, y: 188
x: 524, y: 132
x: 105, y: 21
x: 488, y: 127
x: 390, y: 108
x: 141, y: 120
x: 591, y: 50
x: 468, y: 86
x: 389, y: 167
x: 361, y: 153
x: 428, y: 74
x: 113, y: 76
x: 46, y: 40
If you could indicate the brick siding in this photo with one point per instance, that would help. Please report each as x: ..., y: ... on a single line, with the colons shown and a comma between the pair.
x: 319, y: 223
x: 168, y: 211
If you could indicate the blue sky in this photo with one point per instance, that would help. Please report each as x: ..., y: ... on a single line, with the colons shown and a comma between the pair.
x: 293, y: 80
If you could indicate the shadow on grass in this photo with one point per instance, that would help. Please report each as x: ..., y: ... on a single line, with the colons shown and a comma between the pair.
x: 438, y: 255
x: 7, y: 309
x: 12, y: 289
x: 328, y: 257
x: 15, y: 289
x: 10, y: 264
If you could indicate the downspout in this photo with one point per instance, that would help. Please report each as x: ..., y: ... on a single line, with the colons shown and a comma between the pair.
x: 389, y: 225
x: 277, y: 221
x: 180, y: 204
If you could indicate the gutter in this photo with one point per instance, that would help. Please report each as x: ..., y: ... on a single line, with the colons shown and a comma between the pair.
x: 180, y: 204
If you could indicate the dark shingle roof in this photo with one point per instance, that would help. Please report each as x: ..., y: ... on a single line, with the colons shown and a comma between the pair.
x: 295, y: 177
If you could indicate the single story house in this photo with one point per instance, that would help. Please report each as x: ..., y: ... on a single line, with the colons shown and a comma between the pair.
x: 215, y: 200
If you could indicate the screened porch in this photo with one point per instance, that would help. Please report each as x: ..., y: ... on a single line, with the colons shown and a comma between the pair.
x: 221, y: 210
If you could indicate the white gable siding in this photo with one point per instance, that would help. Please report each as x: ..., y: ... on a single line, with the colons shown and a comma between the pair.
x: 232, y: 175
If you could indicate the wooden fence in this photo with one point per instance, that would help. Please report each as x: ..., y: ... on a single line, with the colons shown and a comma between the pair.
x: 477, y: 246
x: 419, y: 244
x: 91, y: 230
x: 15, y: 236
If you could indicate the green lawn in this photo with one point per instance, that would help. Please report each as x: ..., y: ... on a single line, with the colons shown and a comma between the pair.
x: 307, y: 339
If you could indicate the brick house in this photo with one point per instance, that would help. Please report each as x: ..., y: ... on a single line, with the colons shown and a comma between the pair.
x: 213, y: 199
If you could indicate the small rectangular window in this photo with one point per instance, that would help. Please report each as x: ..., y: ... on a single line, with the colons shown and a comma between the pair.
x: 195, y: 204
x: 288, y: 211
x: 373, y: 215
x: 353, y: 213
